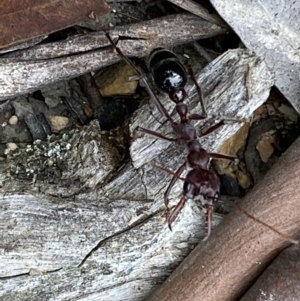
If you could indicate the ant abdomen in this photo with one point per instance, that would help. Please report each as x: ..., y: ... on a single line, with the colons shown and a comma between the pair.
x: 168, y: 72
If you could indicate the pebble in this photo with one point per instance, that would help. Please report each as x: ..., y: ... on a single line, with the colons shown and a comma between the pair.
x: 289, y: 112
x: 115, y: 81
x: 271, y: 110
x: 265, y: 147
x: 243, y: 179
x: 58, y: 123
x: 13, y: 120
x: 10, y: 147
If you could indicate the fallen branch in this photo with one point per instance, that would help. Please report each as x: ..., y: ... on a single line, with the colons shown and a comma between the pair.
x: 28, y: 70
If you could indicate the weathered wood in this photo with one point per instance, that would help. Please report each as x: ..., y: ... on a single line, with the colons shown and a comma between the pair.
x: 25, y: 71
x: 27, y: 44
x: 269, y: 28
x: 115, y: 230
x: 198, y: 10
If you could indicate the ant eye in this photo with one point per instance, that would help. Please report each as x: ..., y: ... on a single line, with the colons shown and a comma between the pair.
x: 216, y: 197
x: 187, y: 188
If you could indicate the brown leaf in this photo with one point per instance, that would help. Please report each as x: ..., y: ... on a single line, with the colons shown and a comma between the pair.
x: 23, y: 20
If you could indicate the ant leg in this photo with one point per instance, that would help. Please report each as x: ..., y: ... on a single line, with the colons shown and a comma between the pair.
x: 212, y: 128
x: 219, y: 124
x: 221, y: 156
x: 199, y: 91
x: 142, y: 76
x: 197, y: 117
x: 176, y: 211
x: 192, y: 75
x: 172, y: 182
x: 156, y: 134
x: 209, y: 213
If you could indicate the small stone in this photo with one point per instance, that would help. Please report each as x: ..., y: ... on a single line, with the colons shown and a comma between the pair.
x: 88, y: 111
x: 231, y: 147
x: 265, y: 147
x: 114, y: 81
x: 261, y: 111
x: 58, y: 123
x: 53, y: 101
x: 13, y: 120
x: 50, y: 162
x: 10, y: 147
x: 243, y: 179
x: 271, y: 109
x: 289, y: 112
x: 35, y: 272
x: 65, y: 137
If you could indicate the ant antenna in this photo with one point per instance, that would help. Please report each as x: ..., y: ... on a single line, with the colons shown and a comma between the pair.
x: 289, y: 239
x: 199, y: 91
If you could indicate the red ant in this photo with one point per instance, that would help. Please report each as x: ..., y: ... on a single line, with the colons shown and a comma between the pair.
x: 200, y: 183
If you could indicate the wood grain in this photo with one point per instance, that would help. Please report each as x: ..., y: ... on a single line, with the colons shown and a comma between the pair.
x: 28, y: 70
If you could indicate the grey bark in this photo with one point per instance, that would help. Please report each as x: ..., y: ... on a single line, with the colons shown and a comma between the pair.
x: 26, y: 71
x: 199, y: 10
x: 271, y: 29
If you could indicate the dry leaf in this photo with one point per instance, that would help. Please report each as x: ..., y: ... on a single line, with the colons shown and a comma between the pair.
x: 24, y: 20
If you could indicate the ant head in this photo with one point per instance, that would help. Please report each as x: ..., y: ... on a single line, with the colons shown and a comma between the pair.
x: 178, y: 95
x: 202, y: 186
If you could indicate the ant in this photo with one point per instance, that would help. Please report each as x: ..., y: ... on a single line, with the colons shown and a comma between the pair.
x: 200, y: 183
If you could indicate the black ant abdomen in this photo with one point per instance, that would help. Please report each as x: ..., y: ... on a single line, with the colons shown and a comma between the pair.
x: 168, y: 72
